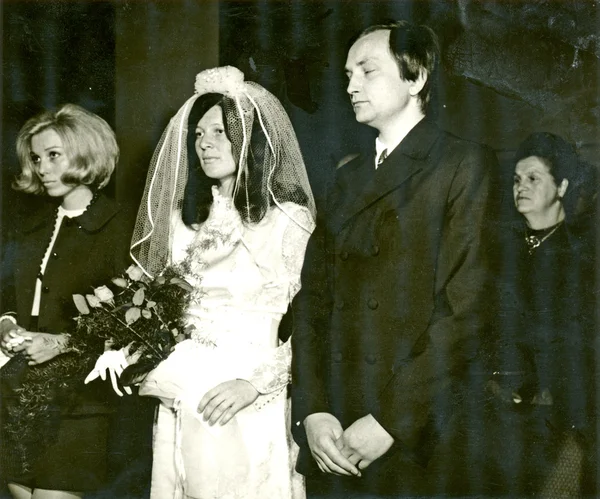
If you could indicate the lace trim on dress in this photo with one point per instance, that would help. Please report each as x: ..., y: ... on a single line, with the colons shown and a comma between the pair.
x: 295, y: 239
x: 274, y: 372
x: 218, y: 236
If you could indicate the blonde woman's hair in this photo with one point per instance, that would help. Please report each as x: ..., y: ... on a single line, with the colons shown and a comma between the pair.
x: 89, y: 143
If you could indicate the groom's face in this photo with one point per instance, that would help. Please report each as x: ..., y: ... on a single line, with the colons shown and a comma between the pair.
x: 377, y: 91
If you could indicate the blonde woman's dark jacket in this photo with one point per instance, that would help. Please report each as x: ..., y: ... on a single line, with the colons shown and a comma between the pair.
x: 90, y: 250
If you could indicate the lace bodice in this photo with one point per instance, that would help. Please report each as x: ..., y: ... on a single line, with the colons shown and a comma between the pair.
x: 245, y: 276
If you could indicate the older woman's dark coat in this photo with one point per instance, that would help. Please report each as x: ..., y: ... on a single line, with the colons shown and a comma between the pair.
x: 544, y: 385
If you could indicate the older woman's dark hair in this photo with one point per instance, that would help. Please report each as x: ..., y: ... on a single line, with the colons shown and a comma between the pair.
x: 562, y: 161
x: 89, y: 143
x: 253, y: 202
x: 416, y: 49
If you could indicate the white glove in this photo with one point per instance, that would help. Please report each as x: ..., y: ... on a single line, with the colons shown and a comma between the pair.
x: 113, y: 361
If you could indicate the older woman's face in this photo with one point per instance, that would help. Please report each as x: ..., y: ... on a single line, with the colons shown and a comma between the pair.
x: 50, y: 161
x: 534, y: 189
x: 214, y: 148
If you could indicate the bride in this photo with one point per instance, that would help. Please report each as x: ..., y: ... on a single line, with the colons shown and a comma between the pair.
x: 227, y: 197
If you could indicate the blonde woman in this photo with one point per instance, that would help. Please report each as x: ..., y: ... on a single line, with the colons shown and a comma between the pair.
x: 74, y: 242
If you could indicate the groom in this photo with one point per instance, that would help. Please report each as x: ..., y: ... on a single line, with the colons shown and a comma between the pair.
x: 388, y: 319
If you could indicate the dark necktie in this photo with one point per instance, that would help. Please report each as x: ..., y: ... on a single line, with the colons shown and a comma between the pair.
x: 382, y: 157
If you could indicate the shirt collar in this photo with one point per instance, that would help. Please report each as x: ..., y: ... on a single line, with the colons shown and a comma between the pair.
x: 381, y: 146
x: 70, y: 213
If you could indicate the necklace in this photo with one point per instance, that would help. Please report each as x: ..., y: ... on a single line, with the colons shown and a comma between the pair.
x: 534, y: 241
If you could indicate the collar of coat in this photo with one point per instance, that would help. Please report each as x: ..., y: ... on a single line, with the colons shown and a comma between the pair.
x: 419, y: 141
x: 363, y: 185
x: 91, y: 220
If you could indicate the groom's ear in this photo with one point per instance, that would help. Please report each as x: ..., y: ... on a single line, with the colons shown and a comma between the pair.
x: 562, y: 188
x: 416, y: 86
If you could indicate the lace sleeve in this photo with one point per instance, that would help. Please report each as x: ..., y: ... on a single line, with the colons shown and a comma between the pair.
x: 295, y: 239
x: 274, y: 372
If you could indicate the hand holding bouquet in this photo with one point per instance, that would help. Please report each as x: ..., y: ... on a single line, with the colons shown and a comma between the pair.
x: 141, y: 321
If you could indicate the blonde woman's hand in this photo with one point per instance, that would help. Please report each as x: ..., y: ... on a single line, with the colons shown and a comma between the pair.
x: 225, y: 400
x: 12, y: 339
x: 42, y: 347
x: 11, y: 335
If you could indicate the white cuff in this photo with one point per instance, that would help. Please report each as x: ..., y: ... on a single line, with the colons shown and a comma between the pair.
x: 9, y: 317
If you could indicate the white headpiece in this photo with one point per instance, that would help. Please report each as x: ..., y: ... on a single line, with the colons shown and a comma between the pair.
x: 258, y: 127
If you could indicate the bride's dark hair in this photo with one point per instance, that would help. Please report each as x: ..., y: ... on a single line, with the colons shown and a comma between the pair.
x: 197, y: 197
x: 253, y: 204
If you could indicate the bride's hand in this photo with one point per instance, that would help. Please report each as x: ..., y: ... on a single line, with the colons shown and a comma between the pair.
x: 114, y: 362
x: 226, y: 399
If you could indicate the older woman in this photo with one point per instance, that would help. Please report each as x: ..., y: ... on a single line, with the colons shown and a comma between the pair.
x: 73, y: 243
x: 544, y: 372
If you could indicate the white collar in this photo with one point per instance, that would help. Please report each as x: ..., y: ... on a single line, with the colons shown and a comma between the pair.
x: 70, y: 213
x: 380, y: 146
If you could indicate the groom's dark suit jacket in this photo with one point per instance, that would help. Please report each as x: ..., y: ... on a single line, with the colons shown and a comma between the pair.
x: 389, y: 317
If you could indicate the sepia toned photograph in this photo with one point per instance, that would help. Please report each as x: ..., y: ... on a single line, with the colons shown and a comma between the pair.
x: 299, y: 249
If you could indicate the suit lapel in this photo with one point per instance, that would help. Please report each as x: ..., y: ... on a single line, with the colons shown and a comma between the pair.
x: 362, y: 185
x: 350, y: 184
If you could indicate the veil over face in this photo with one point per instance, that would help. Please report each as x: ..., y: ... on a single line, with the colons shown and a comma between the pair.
x: 269, y: 164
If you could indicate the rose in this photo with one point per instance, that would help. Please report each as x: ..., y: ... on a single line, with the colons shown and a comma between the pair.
x: 135, y: 273
x: 93, y: 300
x: 104, y: 294
x: 119, y: 281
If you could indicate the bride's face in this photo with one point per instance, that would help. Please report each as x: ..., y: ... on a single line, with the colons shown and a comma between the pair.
x: 214, y: 148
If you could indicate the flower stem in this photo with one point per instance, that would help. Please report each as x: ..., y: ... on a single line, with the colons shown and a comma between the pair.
x: 133, y: 331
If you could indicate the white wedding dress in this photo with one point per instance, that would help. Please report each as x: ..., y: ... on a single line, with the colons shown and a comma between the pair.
x: 244, y: 276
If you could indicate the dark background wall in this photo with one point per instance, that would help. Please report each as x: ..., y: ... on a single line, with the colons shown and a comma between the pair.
x: 159, y: 49
x: 509, y: 68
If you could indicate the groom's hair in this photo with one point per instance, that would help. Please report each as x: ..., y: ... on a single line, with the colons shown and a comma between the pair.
x: 415, y: 48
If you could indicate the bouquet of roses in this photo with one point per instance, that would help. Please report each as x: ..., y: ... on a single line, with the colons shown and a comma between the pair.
x: 144, y: 316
